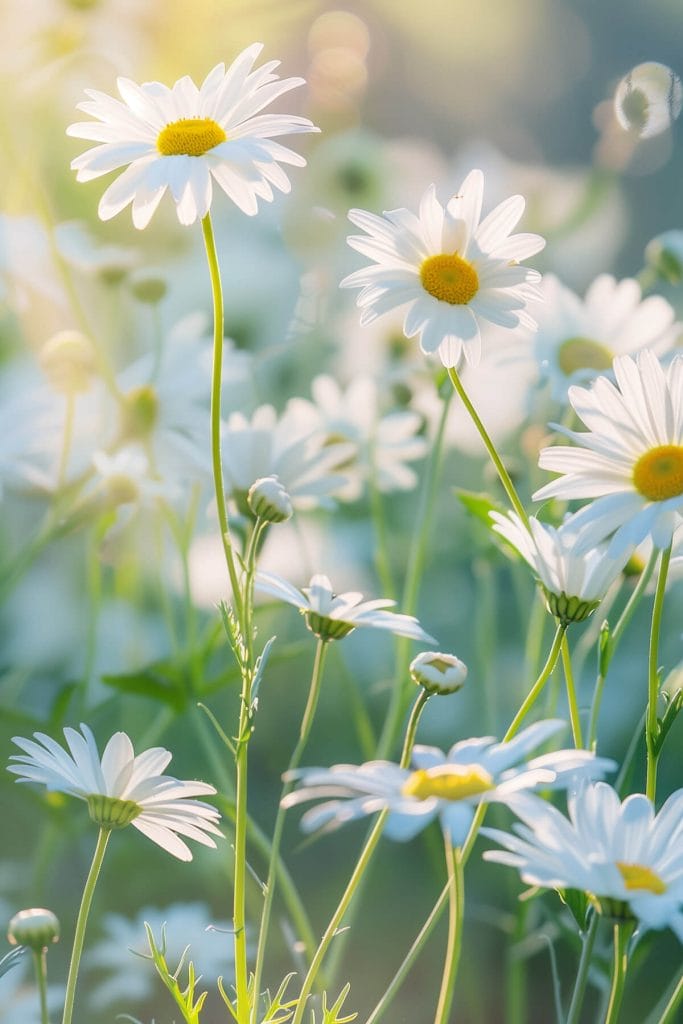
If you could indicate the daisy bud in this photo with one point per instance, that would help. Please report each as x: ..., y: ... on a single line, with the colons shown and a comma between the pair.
x: 148, y: 288
x: 438, y: 673
x: 68, y: 361
x: 665, y: 255
x: 269, y: 500
x: 34, y: 928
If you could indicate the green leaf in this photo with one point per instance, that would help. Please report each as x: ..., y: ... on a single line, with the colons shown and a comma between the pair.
x: 161, y: 681
x: 577, y: 903
x: 479, y: 505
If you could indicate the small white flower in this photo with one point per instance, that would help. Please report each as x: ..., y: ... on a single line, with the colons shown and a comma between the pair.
x: 438, y: 673
x: 333, y: 616
x: 578, y: 339
x: 121, y: 788
x: 611, y: 850
x: 181, y: 138
x: 446, y: 786
x: 449, y: 268
x: 631, y: 458
x: 574, y: 582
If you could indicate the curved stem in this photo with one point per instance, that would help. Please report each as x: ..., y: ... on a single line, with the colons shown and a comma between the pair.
x: 456, y: 903
x: 622, y: 934
x: 81, y: 922
x: 294, y: 761
x: 216, y: 384
x: 651, y: 725
x: 536, y: 689
x: 503, y: 474
x: 669, y: 1012
x: 571, y: 694
x: 574, y: 1013
x: 40, y: 965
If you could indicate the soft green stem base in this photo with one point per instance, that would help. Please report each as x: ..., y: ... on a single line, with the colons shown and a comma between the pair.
x: 574, y: 1012
x: 651, y: 725
x: 40, y: 966
x: 81, y: 922
x: 574, y: 716
x: 622, y: 934
x: 456, y: 903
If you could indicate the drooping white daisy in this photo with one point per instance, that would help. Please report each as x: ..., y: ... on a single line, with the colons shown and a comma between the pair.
x: 333, y: 616
x: 181, y: 138
x: 616, y: 852
x: 285, y: 447
x: 122, y: 952
x: 446, y: 786
x: 577, y: 339
x: 384, y: 444
x: 121, y: 788
x: 631, y: 458
x: 574, y: 583
x: 448, y: 268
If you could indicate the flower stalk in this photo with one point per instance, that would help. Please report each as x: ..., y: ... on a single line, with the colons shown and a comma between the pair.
x: 81, y: 922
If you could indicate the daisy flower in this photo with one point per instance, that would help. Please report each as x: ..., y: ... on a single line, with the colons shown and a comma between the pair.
x: 448, y: 267
x: 574, y: 583
x: 631, y: 458
x: 449, y: 787
x: 577, y: 339
x: 618, y: 853
x: 121, y: 788
x: 333, y: 616
x: 182, y: 138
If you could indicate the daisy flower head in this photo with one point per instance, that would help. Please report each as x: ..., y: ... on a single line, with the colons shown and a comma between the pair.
x: 630, y: 460
x: 332, y: 616
x: 623, y: 855
x: 574, y: 583
x: 449, y: 787
x: 578, y: 338
x: 185, y: 137
x: 121, y: 788
x: 449, y: 268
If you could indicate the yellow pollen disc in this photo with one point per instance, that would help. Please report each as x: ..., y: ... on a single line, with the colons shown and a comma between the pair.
x: 450, y: 278
x: 637, y: 876
x: 658, y: 474
x: 448, y: 782
x: 583, y: 354
x: 192, y: 136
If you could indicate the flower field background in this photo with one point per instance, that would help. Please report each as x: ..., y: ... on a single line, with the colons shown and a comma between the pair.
x: 357, y: 483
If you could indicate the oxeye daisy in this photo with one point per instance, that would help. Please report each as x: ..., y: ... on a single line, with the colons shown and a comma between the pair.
x: 183, y: 137
x: 449, y: 787
x: 626, y: 857
x: 631, y: 458
x: 449, y: 268
x: 121, y: 788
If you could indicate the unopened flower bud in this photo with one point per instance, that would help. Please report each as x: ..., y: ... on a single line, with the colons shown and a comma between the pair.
x: 68, y: 360
x: 35, y: 928
x: 438, y: 673
x: 568, y: 609
x: 148, y: 287
x: 665, y: 255
x: 269, y: 500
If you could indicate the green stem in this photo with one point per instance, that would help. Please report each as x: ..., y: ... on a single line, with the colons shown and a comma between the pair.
x: 411, y: 587
x: 40, y: 965
x: 574, y: 1013
x: 294, y: 761
x: 67, y: 438
x: 622, y: 934
x: 507, y: 483
x: 456, y: 903
x: 216, y: 385
x: 651, y: 725
x: 615, y: 636
x: 574, y: 716
x: 669, y: 1013
x: 359, y: 870
x: 81, y: 922
x: 536, y: 689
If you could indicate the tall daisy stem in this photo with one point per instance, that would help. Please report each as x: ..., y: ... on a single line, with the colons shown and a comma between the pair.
x: 294, y: 761
x: 622, y: 934
x: 574, y: 1012
x: 40, y: 965
x: 673, y: 1005
x: 359, y: 870
x: 456, y: 903
x: 505, y: 479
x: 574, y: 716
x: 535, y: 691
x: 651, y: 725
x: 81, y: 922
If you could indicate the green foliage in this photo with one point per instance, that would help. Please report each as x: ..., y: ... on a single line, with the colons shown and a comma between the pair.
x: 189, y: 1005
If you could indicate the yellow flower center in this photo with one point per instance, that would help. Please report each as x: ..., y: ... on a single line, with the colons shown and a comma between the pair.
x: 658, y: 474
x: 450, y: 278
x: 637, y: 876
x: 191, y: 136
x: 448, y: 782
x: 583, y: 354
